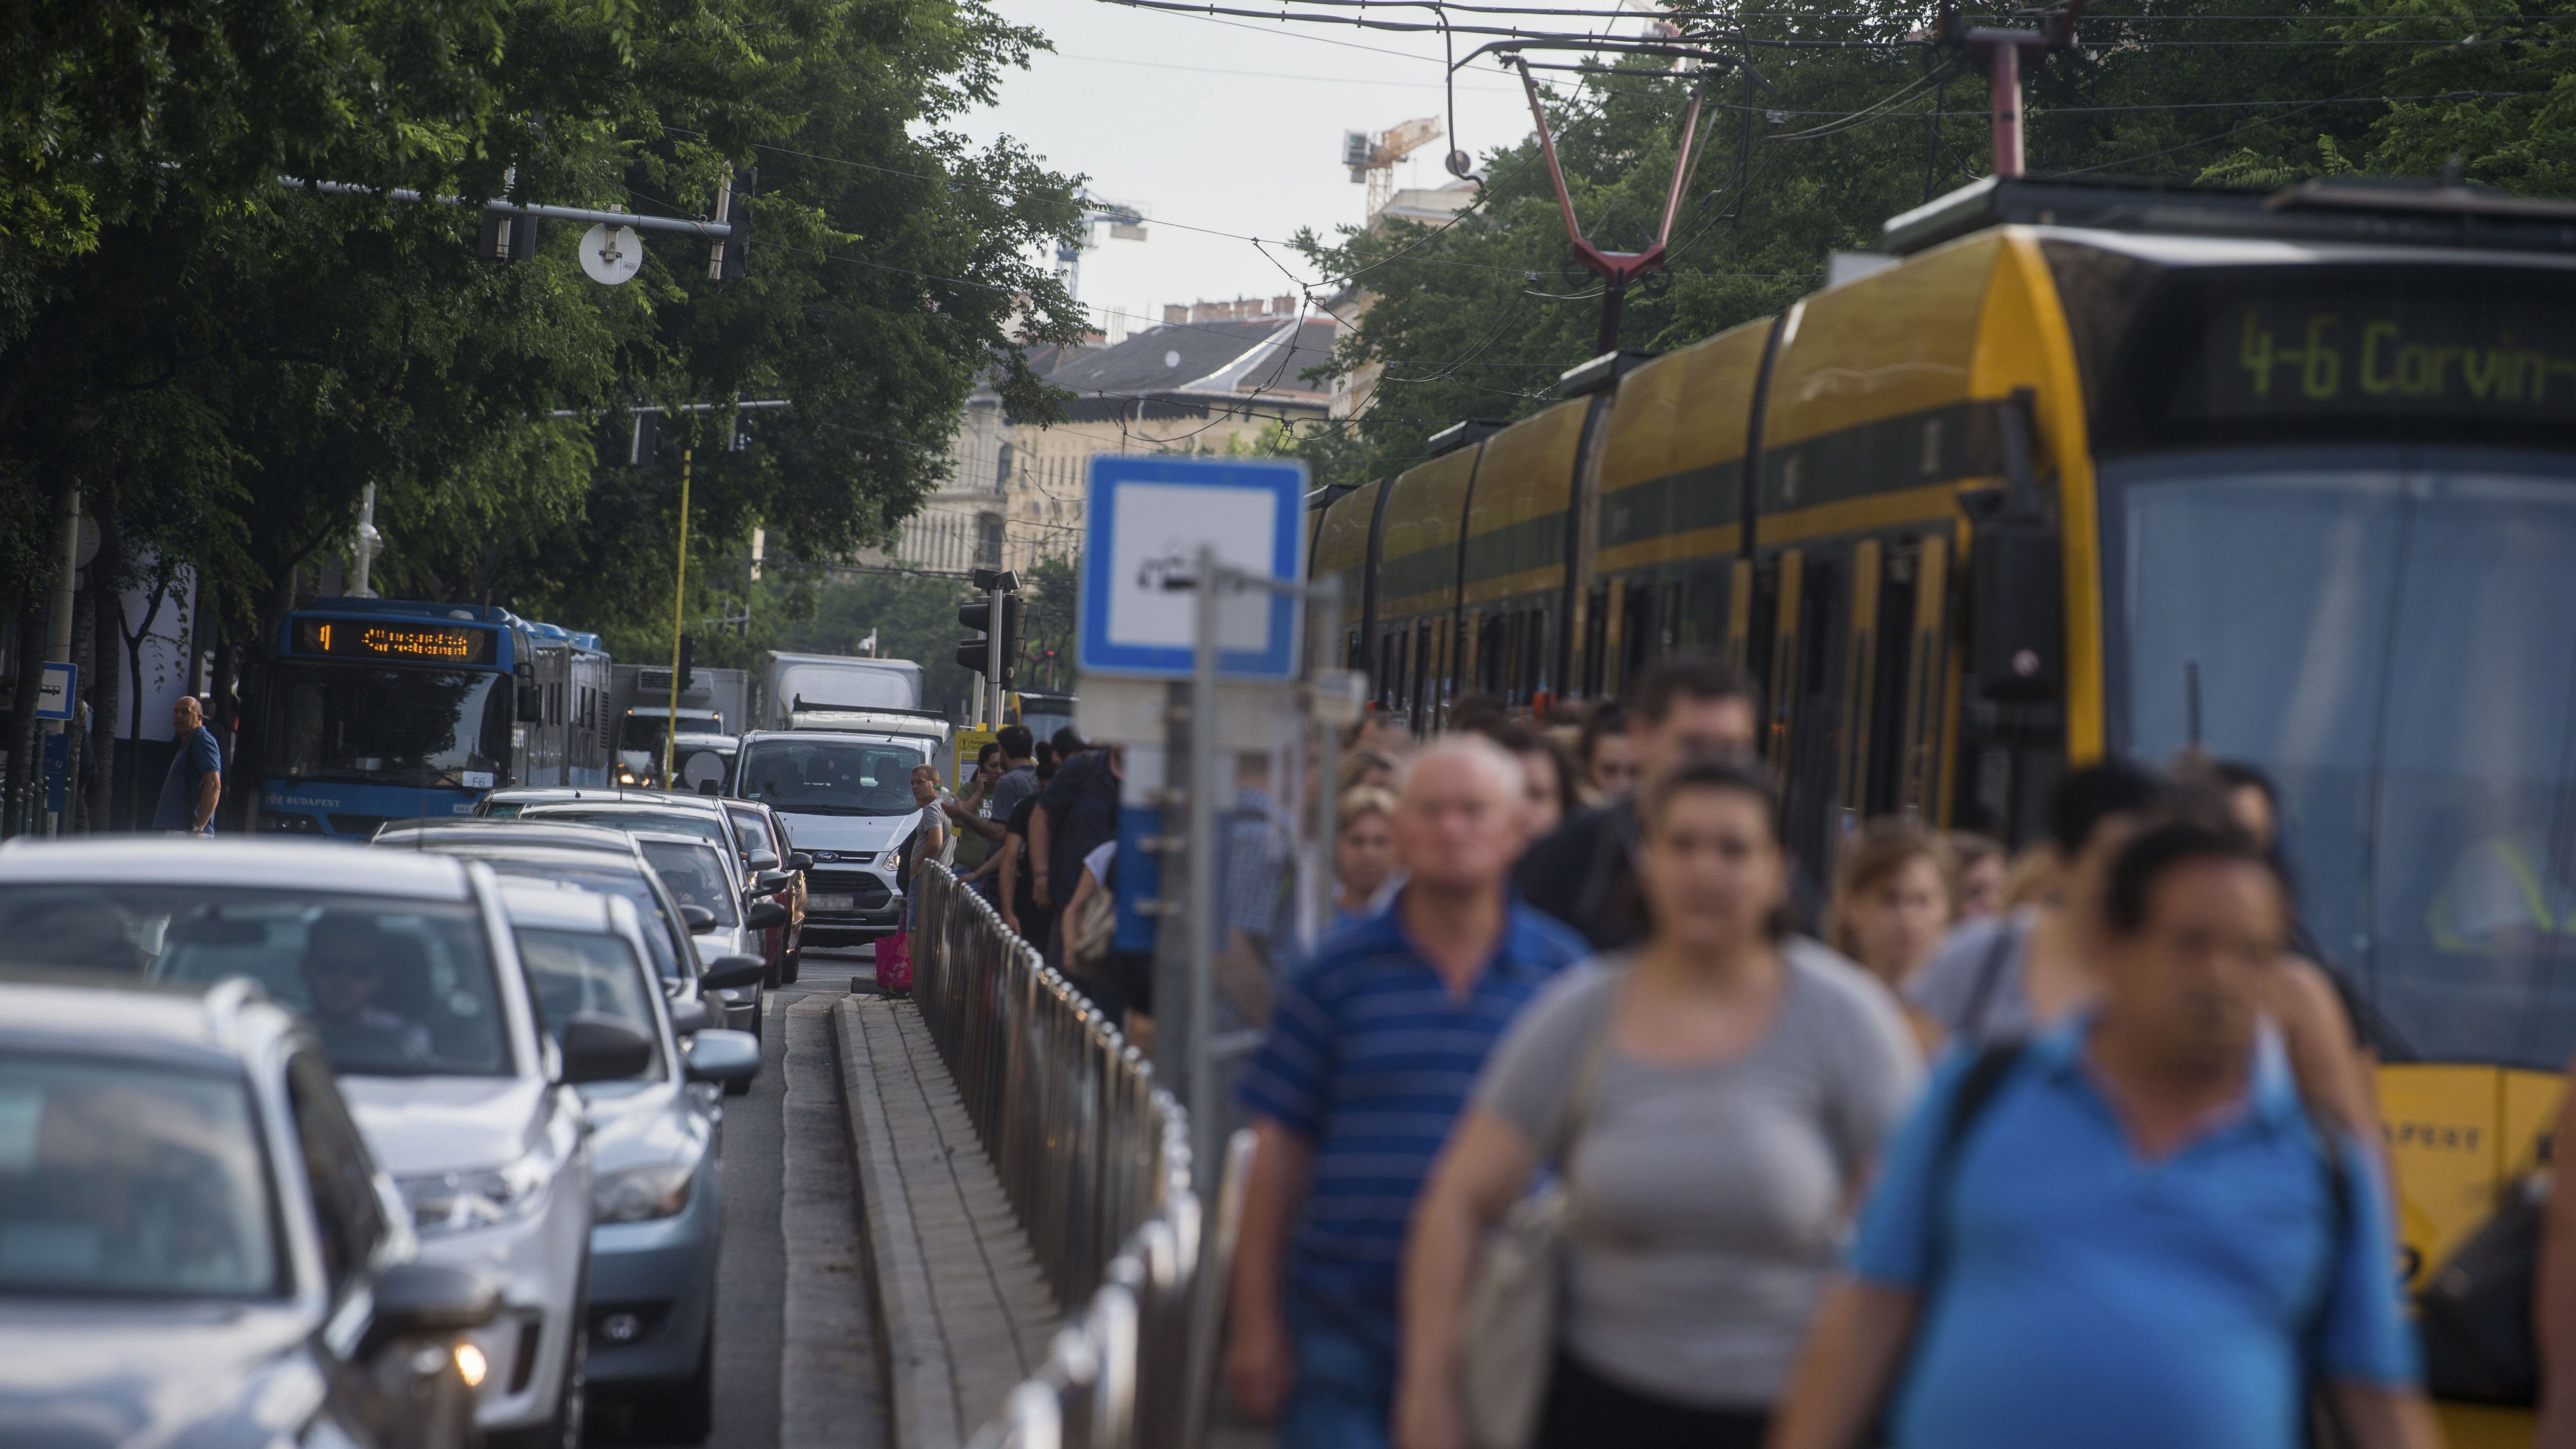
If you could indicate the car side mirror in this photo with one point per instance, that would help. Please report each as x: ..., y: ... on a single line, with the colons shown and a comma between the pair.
x: 800, y: 861
x: 690, y: 1016
x: 726, y: 973
x: 599, y: 1048
x: 698, y: 919
x: 723, y: 1056
x: 773, y: 881
x: 765, y: 914
x: 762, y: 860
x: 428, y: 1300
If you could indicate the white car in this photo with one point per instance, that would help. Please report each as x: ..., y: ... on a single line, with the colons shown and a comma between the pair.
x: 659, y: 1200
x: 405, y: 966
x: 846, y: 801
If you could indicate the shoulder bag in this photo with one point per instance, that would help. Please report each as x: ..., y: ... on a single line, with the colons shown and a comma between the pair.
x: 1507, y: 1326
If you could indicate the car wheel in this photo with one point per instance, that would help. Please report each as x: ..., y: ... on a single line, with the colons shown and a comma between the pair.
x: 686, y: 1413
x: 795, y: 964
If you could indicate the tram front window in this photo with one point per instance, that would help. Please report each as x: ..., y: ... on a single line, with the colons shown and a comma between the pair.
x: 2392, y: 634
x: 417, y: 727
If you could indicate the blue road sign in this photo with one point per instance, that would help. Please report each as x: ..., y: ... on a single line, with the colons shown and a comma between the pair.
x: 56, y: 689
x: 1149, y: 517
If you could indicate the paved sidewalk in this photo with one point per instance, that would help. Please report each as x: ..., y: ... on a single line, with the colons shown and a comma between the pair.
x: 962, y: 1309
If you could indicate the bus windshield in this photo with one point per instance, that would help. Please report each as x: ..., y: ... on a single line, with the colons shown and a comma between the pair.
x: 384, y: 725
x: 2392, y: 635
x: 830, y: 777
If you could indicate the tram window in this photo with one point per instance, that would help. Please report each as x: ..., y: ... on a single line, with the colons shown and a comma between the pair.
x: 1533, y: 654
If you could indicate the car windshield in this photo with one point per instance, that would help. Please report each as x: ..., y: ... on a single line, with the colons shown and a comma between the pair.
x: 830, y: 777
x: 694, y: 876
x: 394, y: 987
x: 608, y: 880
x: 641, y: 731
x: 588, y: 971
x: 670, y: 822
x: 367, y: 723
x: 2393, y: 637
x: 133, y: 1180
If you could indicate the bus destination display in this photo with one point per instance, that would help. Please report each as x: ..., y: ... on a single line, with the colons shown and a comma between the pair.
x: 410, y: 643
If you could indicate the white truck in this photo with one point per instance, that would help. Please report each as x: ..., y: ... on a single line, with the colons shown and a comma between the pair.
x: 715, y: 707
x: 801, y: 682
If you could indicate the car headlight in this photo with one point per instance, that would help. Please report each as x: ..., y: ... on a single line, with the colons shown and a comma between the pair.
x: 640, y: 1194
x: 452, y: 1202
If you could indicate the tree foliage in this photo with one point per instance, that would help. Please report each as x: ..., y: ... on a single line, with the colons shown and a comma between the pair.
x: 224, y: 362
x: 1831, y: 119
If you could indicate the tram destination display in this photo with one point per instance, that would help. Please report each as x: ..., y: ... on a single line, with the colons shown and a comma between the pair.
x: 414, y: 643
x: 2351, y: 354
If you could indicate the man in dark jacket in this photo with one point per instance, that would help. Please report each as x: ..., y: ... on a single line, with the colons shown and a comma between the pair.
x: 1684, y: 706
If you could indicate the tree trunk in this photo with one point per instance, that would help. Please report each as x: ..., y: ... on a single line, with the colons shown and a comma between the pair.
x: 22, y: 720
x: 223, y: 700
x: 105, y: 665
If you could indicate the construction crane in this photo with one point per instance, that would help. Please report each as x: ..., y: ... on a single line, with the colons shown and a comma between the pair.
x: 1372, y: 158
x: 1126, y: 223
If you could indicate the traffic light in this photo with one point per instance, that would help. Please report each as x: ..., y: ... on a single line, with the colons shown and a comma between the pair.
x: 1014, y: 631
x: 975, y: 655
x: 996, y: 655
x: 680, y: 676
x: 508, y: 236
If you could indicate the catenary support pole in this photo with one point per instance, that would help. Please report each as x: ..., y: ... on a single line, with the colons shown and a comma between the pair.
x: 679, y: 600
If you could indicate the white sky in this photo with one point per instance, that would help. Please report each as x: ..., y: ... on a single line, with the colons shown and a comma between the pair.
x: 1231, y: 125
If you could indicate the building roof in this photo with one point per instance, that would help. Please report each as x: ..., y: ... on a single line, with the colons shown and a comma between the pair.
x: 1257, y: 360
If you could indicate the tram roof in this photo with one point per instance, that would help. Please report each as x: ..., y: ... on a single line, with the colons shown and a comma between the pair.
x: 2381, y: 212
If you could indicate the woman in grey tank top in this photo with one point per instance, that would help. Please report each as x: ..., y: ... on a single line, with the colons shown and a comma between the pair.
x: 1713, y: 1102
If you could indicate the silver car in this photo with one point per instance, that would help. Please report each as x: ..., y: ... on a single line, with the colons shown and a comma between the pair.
x: 196, y: 1247
x: 658, y: 1199
x: 406, y: 968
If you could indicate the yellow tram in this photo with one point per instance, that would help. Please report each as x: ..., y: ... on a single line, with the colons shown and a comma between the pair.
x: 2095, y: 468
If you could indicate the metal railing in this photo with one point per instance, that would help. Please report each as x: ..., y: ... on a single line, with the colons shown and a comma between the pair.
x: 1095, y: 1160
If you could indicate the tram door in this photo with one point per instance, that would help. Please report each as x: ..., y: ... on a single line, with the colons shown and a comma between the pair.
x: 1807, y: 618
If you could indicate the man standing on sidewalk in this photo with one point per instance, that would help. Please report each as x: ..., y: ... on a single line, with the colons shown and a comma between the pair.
x: 2128, y: 1233
x: 196, y: 780
x: 1371, y: 1052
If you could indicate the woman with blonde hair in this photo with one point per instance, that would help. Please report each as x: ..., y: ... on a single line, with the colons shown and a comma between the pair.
x: 1894, y: 899
x: 1363, y: 852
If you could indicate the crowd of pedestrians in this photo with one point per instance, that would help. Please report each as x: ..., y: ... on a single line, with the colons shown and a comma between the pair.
x: 1585, y: 1123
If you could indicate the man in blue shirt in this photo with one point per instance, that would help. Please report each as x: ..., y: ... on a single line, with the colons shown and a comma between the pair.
x: 1371, y: 1052
x: 196, y: 779
x: 2128, y: 1232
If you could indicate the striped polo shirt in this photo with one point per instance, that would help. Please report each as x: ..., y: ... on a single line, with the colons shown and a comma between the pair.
x: 1371, y: 1059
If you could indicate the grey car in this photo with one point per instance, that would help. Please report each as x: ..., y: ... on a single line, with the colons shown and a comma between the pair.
x: 658, y: 1197
x: 598, y: 859
x: 197, y: 1248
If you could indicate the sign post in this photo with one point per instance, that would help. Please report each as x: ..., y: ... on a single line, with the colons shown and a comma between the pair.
x: 1192, y: 579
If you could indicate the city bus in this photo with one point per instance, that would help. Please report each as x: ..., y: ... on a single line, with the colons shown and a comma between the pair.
x: 389, y: 709
x: 2091, y: 468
